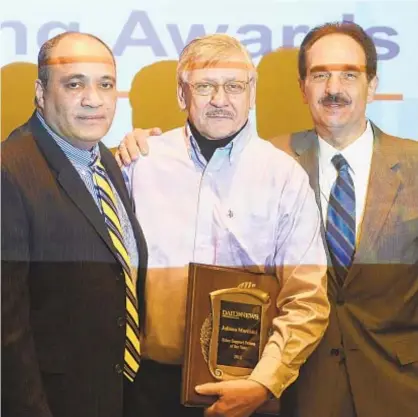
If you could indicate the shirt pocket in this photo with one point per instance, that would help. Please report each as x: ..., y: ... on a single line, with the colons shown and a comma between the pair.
x: 249, y: 229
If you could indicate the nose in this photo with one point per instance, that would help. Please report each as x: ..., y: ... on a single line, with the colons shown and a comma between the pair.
x: 219, y: 98
x: 333, y: 85
x: 92, y: 97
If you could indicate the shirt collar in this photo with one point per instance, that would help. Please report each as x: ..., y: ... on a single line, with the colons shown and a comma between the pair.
x: 231, y: 150
x: 356, y: 154
x: 82, y: 157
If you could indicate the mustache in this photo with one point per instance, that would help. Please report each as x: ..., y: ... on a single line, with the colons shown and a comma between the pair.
x: 220, y: 113
x: 334, y: 99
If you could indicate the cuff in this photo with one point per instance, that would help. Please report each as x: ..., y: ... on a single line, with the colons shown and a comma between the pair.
x: 273, y: 374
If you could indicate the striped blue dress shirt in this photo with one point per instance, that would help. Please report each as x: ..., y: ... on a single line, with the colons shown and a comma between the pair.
x: 82, y: 161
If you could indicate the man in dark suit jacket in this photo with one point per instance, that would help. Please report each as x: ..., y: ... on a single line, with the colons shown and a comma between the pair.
x: 63, y: 287
x: 367, y: 363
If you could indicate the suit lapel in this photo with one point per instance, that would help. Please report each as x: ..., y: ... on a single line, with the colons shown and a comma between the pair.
x: 76, y: 190
x: 309, y: 161
x: 306, y: 147
x: 384, y: 183
x: 383, y: 186
x: 70, y: 180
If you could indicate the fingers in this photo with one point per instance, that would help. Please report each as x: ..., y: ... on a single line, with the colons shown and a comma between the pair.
x: 118, y: 160
x: 130, y: 145
x: 155, y: 131
x: 123, y: 154
x: 210, y: 412
x: 134, y: 144
x: 211, y: 388
x: 213, y: 410
x: 141, y: 140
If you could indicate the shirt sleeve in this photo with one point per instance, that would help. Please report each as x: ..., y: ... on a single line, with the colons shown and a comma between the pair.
x: 127, y: 172
x: 303, y: 306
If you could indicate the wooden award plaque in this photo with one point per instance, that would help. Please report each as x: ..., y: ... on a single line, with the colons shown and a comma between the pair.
x: 229, y: 314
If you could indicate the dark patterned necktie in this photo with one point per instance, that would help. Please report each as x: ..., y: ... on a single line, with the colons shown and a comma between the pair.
x: 341, y: 219
x: 108, y: 204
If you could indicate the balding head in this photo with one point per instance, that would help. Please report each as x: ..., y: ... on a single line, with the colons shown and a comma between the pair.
x: 50, y: 49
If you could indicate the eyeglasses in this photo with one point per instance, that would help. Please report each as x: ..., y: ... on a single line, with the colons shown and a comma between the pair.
x: 209, y: 89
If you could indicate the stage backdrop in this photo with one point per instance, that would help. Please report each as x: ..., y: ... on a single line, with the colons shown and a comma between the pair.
x: 147, y: 37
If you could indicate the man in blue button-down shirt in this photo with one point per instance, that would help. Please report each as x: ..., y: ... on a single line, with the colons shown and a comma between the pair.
x: 213, y: 192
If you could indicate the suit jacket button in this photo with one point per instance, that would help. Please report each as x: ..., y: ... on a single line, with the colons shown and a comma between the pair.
x: 121, y: 321
x: 118, y: 369
x: 335, y: 352
x: 340, y: 299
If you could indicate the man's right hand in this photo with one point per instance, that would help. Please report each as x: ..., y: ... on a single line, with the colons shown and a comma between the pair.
x: 133, y: 144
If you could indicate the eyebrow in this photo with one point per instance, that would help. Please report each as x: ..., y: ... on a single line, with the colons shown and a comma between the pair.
x: 70, y: 77
x: 215, y: 80
x: 338, y: 67
x: 195, y: 65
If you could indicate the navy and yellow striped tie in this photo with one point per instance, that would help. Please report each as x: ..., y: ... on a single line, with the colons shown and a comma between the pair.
x: 108, y: 204
x: 341, y: 220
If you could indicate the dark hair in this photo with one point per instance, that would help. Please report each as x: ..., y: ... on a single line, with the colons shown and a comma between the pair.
x: 350, y: 29
x: 46, y: 49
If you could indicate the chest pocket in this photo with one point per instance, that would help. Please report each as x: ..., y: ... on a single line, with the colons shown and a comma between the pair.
x: 397, y: 241
x: 249, y: 227
x: 406, y: 349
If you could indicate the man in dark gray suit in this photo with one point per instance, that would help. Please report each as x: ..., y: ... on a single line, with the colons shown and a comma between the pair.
x: 366, y: 186
x: 69, y: 346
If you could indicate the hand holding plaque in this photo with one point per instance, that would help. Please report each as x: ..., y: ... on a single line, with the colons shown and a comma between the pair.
x: 228, y: 321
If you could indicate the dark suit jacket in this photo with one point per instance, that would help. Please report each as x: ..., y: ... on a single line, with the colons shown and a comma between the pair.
x: 374, y: 315
x: 63, y: 291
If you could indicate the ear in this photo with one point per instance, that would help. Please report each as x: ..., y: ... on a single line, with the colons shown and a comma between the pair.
x: 39, y: 94
x: 253, y: 91
x: 181, y: 95
x: 302, y: 88
x: 371, y: 89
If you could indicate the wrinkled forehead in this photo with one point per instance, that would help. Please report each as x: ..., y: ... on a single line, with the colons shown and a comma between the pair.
x: 78, y: 59
x: 64, y: 68
x: 220, y: 70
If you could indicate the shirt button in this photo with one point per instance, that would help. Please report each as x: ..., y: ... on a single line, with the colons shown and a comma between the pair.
x: 121, y: 321
x: 118, y: 369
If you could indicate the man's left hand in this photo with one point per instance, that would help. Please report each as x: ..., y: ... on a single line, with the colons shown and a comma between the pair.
x: 237, y: 398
